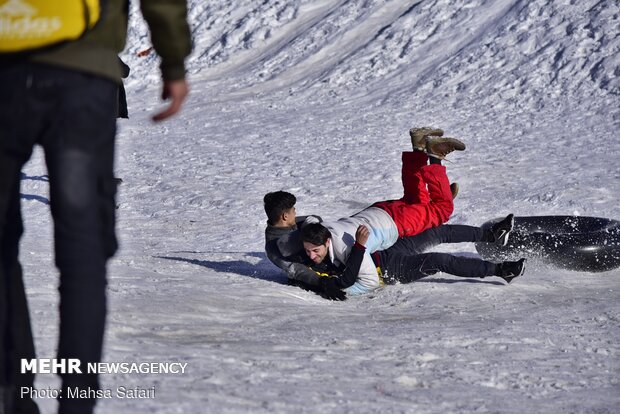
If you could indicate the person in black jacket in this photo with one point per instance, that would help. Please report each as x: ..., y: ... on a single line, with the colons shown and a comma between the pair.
x: 284, y: 248
x: 282, y: 243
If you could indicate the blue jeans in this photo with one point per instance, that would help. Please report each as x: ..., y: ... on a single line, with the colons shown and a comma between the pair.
x: 72, y: 116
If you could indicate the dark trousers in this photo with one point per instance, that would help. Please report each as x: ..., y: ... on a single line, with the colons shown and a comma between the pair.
x: 72, y: 115
x: 406, y: 261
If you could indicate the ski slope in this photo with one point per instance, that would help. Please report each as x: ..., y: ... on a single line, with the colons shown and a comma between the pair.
x: 316, y: 98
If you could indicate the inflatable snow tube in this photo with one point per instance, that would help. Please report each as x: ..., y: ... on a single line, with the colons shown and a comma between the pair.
x: 589, y: 244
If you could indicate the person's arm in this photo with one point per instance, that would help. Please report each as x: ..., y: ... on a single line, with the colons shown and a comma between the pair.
x: 355, y: 259
x: 352, y: 266
x: 303, y: 273
x: 295, y: 271
x: 176, y: 91
x: 332, y: 287
x: 167, y: 21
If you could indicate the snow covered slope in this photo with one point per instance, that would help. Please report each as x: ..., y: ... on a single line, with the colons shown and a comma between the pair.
x: 498, y: 50
x: 316, y: 97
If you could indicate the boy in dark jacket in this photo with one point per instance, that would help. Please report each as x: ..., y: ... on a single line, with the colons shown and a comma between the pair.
x: 284, y: 248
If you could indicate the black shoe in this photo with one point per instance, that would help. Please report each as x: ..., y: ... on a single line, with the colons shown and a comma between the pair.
x: 502, y: 229
x: 510, y: 270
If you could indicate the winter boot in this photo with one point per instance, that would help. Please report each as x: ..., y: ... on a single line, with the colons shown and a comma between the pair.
x: 510, y: 270
x: 419, y: 135
x: 440, y: 147
x: 454, y: 189
x: 502, y: 229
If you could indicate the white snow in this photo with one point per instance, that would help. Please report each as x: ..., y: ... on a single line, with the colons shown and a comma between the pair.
x: 316, y: 98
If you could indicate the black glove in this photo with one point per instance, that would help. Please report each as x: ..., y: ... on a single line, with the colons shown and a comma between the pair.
x: 331, y: 290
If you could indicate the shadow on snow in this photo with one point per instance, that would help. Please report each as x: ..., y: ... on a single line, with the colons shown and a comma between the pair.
x: 32, y: 197
x: 263, y: 270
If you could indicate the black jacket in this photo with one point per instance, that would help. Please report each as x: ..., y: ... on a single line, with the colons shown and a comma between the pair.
x: 346, y: 273
x: 285, y: 250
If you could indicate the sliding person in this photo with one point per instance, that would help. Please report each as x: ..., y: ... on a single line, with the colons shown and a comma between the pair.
x: 406, y: 261
x: 427, y: 202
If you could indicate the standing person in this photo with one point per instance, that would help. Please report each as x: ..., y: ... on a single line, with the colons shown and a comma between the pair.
x: 65, y: 99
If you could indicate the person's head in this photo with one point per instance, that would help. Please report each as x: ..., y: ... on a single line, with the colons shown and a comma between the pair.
x: 316, y: 239
x: 280, y: 208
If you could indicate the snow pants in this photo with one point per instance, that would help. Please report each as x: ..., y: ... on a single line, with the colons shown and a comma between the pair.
x: 406, y: 261
x: 427, y: 200
x: 72, y: 116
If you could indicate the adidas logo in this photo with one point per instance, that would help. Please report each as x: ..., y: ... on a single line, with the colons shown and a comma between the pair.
x: 14, y: 8
x: 18, y: 20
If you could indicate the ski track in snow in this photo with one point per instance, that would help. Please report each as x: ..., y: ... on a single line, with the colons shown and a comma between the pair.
x: 316, y: 97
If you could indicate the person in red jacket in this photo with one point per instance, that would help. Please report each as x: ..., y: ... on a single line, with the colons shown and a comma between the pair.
x: 427, y: 202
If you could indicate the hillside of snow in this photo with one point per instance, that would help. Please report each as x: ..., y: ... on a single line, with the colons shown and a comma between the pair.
x: 316, y: 98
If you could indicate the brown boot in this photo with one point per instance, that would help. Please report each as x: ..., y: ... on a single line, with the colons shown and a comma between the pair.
x: 440, y: 147
x: 454, y: 189
x: 419, y: 136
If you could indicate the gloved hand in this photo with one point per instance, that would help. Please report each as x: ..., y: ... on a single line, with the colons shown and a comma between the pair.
x: 331, y: 290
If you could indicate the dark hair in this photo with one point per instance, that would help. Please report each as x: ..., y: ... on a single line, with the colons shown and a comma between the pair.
x: 315, y: 233
x: 277, y: 203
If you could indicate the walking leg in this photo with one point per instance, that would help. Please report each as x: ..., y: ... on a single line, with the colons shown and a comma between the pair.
x: 18, y: 128
x: 80, y: 166
x: 18, y: 342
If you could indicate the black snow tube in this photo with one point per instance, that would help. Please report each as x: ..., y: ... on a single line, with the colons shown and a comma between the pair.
x: 589, y: 244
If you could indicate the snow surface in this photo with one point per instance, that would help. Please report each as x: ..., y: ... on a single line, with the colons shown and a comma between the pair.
x: 316, y: 97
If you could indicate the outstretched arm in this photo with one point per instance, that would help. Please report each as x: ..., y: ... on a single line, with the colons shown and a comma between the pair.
x: 295, y: 271
x: 176, y: 91
x: 167, y: 20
